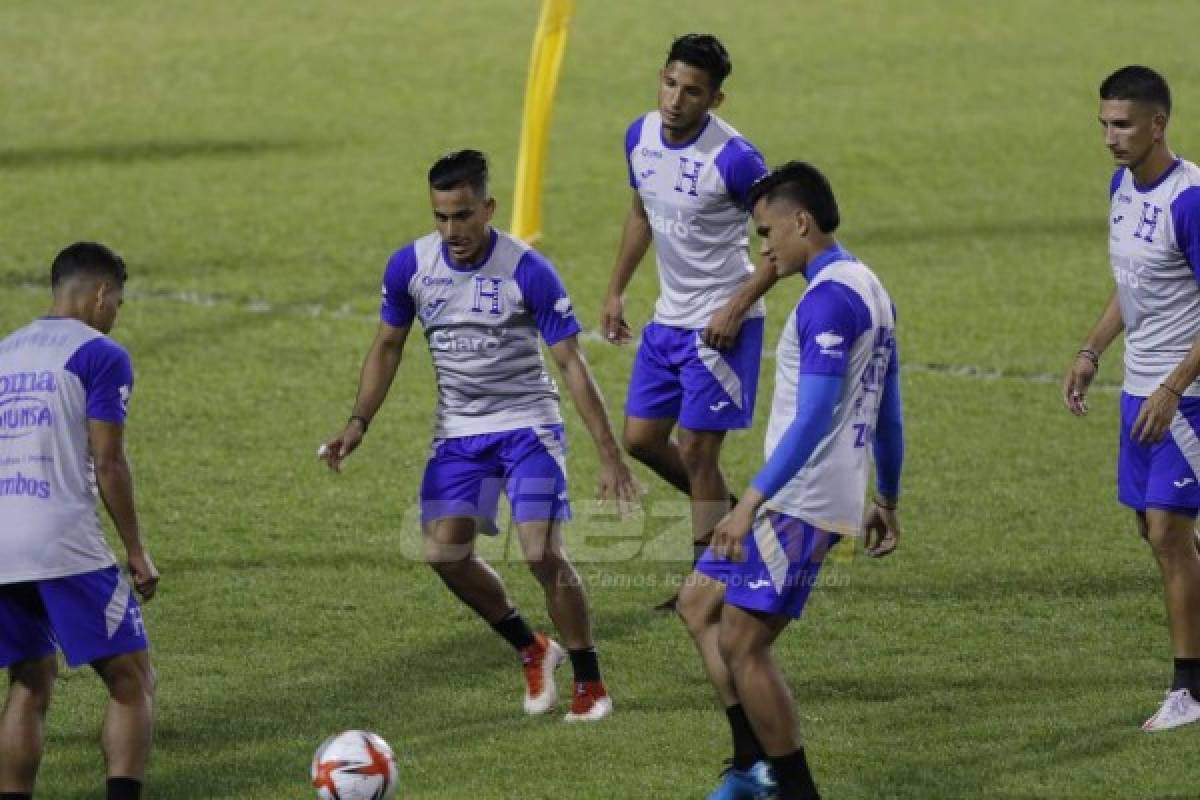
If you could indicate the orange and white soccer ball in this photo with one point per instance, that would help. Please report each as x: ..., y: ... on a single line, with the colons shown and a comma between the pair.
x: 354, y: 765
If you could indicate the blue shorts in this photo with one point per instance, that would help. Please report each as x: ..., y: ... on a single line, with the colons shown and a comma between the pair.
x: 1162, y: 475
x: 677, y: 376
x: 783, y: 557
x: 89, y: 617
x: 465, y: 475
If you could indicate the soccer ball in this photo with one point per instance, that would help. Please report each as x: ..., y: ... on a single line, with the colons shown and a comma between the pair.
x: 354, y: 765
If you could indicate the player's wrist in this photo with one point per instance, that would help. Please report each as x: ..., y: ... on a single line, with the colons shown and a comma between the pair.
x: 1091, y: 354
x: 886, y: 502
x: 362, y: 421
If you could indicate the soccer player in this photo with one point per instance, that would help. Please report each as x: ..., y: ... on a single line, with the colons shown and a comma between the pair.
x: 64, y: 386
x: 1154, y: 250
x: 837, y: 394
x: 483, y: 299
x: 697, y: 364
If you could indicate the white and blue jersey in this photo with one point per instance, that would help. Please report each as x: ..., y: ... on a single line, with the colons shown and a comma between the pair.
x: 695, y: 195
x: 482, y: 323
x: 55, y: 375
x: 1154, y: 249
x: 843, y: 326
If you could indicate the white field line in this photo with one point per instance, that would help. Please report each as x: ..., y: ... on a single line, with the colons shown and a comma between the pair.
x: 317, y: 310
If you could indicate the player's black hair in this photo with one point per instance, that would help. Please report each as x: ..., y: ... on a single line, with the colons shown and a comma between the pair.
x: 702, y: 51
x: 801, y: 184
x: 1140, y: 84
x: 87, y: 258
x: 458, y: 169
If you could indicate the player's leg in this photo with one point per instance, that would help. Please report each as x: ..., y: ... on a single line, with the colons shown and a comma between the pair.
x: 1171, y: 536
x: 700, y: 602
x: 652, y: 404
x: 27, y: 650
x: 649, y: 441
x: 450, y: 551
x: 746, y: 638
x: 701, y: 454
x: 128, y: 729
x: 22, y: 723
x: 97, y: 620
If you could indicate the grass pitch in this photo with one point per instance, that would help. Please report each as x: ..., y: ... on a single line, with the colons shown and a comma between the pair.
x: 256, y: 163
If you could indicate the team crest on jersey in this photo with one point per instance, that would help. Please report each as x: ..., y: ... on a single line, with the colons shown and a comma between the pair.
x: 434, y: 307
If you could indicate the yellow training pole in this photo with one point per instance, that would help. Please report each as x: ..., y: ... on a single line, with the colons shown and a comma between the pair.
x: 545, y: 62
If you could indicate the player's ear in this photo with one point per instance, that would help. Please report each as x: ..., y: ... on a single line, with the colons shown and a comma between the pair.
x: 718, y: 98
x: 1159, y: 123
x: 803, y: 221
x: 489, y: 207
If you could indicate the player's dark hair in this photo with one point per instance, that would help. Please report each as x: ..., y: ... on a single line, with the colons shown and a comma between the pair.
x: 803, y: 185
x: 458, y: 169
x: 1139, y: 84
x: 87, y: 258
x: 702, y: 51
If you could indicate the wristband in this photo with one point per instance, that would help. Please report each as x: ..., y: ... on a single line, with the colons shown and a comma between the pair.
x: 361, y: 421
x: 1171, y: 390
x: 1091, y: 356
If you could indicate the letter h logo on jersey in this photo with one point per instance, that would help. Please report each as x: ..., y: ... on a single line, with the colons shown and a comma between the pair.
x: 1148, y: 222
x: 482, y: 293
x: 693, y: 177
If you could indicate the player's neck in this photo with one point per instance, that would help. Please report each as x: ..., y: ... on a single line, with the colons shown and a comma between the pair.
x: 1151, y: 168
x: 676, y: 137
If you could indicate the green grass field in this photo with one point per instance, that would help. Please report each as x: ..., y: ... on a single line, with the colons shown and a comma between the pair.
x: 257, y: 162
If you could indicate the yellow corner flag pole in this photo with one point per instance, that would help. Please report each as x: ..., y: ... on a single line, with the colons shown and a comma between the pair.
x: 545, y: 62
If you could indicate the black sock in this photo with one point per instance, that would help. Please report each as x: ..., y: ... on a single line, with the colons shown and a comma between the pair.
x: 746, y: 748
x: 15, y: 796
x: 1187, y: 676
x: 124, y: 789
x: 515, y: 630
x: 586, y: 664
x: 698, y: 547
x: 792, y: 777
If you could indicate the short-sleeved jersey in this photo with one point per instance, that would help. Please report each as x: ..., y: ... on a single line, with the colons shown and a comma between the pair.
x: 695, y: 196
x: 843, y: 325
x: 482, y: 324
x: 55, y: 375
x: 1154, y: 249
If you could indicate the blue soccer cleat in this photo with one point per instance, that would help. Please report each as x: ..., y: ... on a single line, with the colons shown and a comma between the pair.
x: 748, y: 784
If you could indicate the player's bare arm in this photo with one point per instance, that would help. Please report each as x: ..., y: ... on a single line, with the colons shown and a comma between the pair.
x: 615, y: 481
x: 635, y: 241
x: 378, y: 372
x: 114, y: 479
x: 1085, y: 364
x: 1158, y: 411
x: 722, y: 329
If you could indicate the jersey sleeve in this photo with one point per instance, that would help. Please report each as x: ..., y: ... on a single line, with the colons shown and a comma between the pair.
x: 741, y: 166
x: 1115, y: 182
x: 546, y: 298
x: 828, y: 321
x: 398, y: 308
x: 104, y: 369
x: 1185, y: 214
x: 632, y: 135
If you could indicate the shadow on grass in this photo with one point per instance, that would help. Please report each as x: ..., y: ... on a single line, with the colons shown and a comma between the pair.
x: 150, y: 150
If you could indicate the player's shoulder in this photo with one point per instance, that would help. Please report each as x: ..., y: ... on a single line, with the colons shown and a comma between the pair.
x: 99, y: 354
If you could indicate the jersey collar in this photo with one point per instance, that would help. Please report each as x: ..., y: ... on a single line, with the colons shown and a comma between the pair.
x: 691, y: 141
x: 1157, y: 181
x: 830, y: 254
x: 487, y: 253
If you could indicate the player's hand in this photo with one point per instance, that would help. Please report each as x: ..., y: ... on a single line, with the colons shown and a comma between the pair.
x: 617, y: 482
x: 881, y: 531
x: 1154, y: 419
x: 143, y: 574
x: 612, y: 321
x: 1075, y: 385
x: 334, y: 451
x: 730, y: 533
x: 722, y: 329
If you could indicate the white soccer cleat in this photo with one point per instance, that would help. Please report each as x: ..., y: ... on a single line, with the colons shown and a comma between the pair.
x: 540, y: 660
x: 590, y: 703
x: 1179, y: 709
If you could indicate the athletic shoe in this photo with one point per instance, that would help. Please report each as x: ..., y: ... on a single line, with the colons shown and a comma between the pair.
x: 1179, y: 709
x: 668, y: 606
x: 590, y: 702
x: 541, y: 659
x: 748, y: 784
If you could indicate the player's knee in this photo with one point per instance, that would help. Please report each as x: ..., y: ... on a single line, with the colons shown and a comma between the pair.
x: 694, y: 609
x: 638, y: 446
x: 130, y: 678
x: 698, y: 455
x: 734, y: 648
x: 37, y: 679
x: 1171, y: 545
x: 445, y: 558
